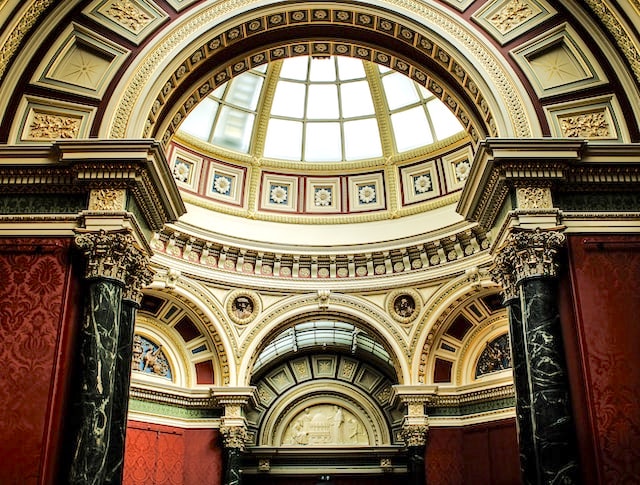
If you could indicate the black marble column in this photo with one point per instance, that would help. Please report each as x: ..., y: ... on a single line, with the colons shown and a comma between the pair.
x: 415, y: 439
x: 546, y: 434
x: 553, y: 432
x: 234, y: 440
x: 110, y: 257
x: 138, y: 275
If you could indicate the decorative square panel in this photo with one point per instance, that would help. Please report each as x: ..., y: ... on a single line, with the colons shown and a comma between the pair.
x: 132, y: 19
x: 186, y: 168
x: 505, y: 20
x: 226, y: 183
x: 301, y: 369
x: 323, y: 195
x: 265, y: 394
x: 419, y: 182
x: 45, y: 120
x: 367, y: 378
x: 456, y: 167
x: 591, y: 119
x: 281, y: 379
x: 324, y: 366
x: 347, y: 369
x: 279, y: 193
x: 366, y: 192
x: 82, y: 63
x: 558, y: 62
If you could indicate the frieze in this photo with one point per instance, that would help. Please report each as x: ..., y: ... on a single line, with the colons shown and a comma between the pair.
x: 107, y: 199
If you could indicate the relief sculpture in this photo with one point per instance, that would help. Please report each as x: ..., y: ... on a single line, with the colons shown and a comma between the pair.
x: 325, y: 425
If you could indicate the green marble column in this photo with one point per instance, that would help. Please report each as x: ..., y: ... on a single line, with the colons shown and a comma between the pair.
x: 234, y: 441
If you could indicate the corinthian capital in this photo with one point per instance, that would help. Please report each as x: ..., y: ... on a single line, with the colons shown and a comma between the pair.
x: 139, y: 275
x: 234, y: 437
x: 526, y: 254
x: 414, y: 435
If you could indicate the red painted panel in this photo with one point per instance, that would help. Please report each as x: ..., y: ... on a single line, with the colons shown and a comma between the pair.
x: 167, y: 455
x: 605, y: 277
x: 204, y: 372
x: 459, y: 327
x: 442, y: 370
x: 35, y: 278
x: 444, y: 457
x: 187, y: 329
x: 483, y: 454
x: 475, y: 456
x: 202, y: 457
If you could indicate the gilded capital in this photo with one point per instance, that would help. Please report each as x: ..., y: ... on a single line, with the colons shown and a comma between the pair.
x: 414, y: 435
x: 527, y: 254
x: 234, y: 437
x: 139, y: 275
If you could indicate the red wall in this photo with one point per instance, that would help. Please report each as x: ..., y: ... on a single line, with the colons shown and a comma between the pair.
x: 601, y: 318
x: 485, y: 454
x: 38, y: 323
x: 168, y: 455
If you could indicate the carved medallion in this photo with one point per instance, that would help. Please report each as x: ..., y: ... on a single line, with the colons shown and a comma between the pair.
x: 404, y: 305
x: 243, y: 306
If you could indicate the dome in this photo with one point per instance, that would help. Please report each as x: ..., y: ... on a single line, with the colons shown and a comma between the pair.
x: 321, y: 109
x: 321, y: 141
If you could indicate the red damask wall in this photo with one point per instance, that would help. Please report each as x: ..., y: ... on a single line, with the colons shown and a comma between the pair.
x: 601, y: 317
x: 485, y: 454
x: 168, y: 455
x: 38, y: 323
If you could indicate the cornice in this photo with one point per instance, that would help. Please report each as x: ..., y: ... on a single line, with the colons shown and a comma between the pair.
x: 418, y: 258
x: 558, y: 165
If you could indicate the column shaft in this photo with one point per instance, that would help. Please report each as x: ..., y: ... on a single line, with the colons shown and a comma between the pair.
x: 99, y: 345
x: 115, y: 456
x: 553, y: 433
x: 523, y: 394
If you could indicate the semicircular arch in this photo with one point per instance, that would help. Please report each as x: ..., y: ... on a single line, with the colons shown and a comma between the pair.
x: 303, y: 307
x: 204, y: 52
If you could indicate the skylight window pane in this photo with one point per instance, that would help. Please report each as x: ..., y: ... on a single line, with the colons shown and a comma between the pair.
x: 362, y: 139
x: 283, y: 140
x: 233, y: 129
x: 322, y: 142
x: 400, y: 90
x: 350, y: 68
x: 444, y: 121
x: 295, y: 68
x: 245, y: 91
x: 322, y: 70
x: 219, y: 91
x: 289, y: 99
x: 411, y: 129
x: 198, y: 123
x: 322, y: 102
x: 424, y: 92
x: 356, y: 99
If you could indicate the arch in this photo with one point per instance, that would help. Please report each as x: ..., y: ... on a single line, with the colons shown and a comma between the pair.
x: 205, y: 311
x: 467, y: 364
x: 469, y: 77
x: 439, y: 311
x: 292, y: 310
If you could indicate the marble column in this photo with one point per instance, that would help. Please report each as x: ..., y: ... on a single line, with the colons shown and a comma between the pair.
x: 533, y: 255
x: 108, y: 256
x: 139, y: 275
x: 415, y: 439
x: 234, y: 440
x: 503, y: 273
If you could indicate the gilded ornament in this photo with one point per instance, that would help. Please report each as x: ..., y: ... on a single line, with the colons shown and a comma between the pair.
x: 107, y: 199
x: 511, y: 15
x: 588, y: 125
x: 414, y: 435
x: 534, y: 198
x: 234, y: 437
x: 49, y: 126
x: 128, y: 15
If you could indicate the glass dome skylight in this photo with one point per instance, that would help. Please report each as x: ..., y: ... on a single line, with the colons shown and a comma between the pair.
x: 321, y: 110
